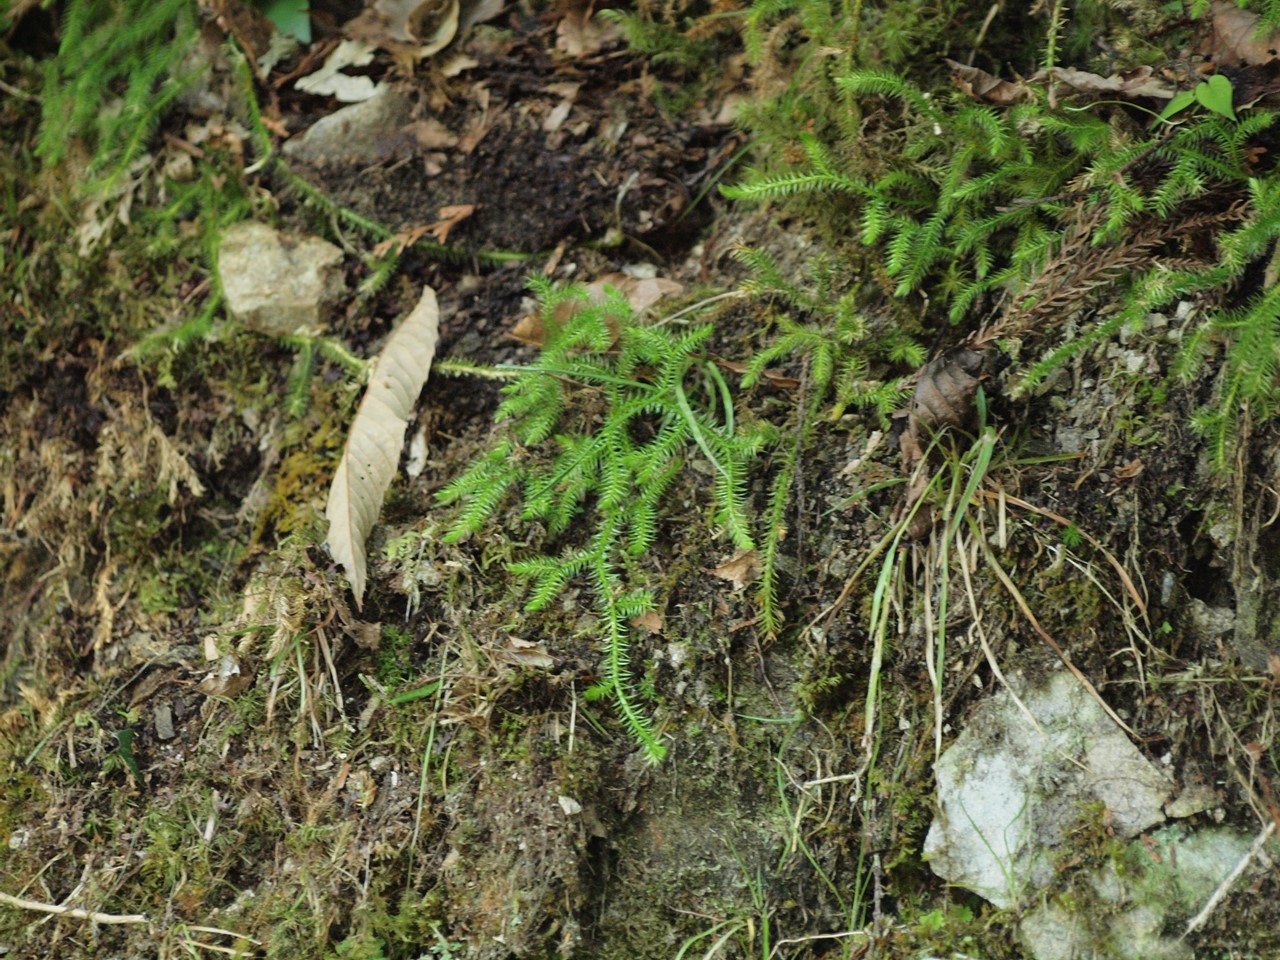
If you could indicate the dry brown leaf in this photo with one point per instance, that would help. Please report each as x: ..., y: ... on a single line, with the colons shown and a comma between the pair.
x: 641, y: 294
x: 771, y: 376
x: 431, y: 134
x: 1234, y: 38
x: 372, y: 452
x: 227, y: 680
x: 249, y: 25
x: 943, y: 398
x: 740, y: 569
x: 650, y: 620
x: 1127, y: 85
x: 944, y: 392
x: 530, y: 329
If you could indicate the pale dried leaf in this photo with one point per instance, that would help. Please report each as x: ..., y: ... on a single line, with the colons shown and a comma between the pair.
x: 329, y: 80
x: 580, y: 34
x: 372, y: 452
x: 412, y: 29
x: 527, y: 653
x: 1127, y: 85
x: 740, y: 569
x: 431, y: 134
x: 641, y: 293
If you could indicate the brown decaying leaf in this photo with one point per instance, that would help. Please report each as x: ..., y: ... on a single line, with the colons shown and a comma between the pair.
x: 1130, y: 470
x: 579, y: 33
x: 740, y: 569
x: 1233, y: 40
x: 372, y: 452
x: 944, y: 392
x: 771, y: 376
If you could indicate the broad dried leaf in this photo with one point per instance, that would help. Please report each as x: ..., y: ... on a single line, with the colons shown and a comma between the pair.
x: 373, y: 446
x: 1235, y: 38
x: 650, y: 620
x: 641, y: 294
x: 580, y: 34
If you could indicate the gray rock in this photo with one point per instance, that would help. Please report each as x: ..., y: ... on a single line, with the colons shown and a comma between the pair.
x: 277, y: 284
x: 1008, y: 792
x: 367, y: 132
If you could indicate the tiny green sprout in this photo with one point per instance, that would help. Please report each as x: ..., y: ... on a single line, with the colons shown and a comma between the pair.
x: 1071, y: 536
x: 1215, y: 95
x: 125, y: 740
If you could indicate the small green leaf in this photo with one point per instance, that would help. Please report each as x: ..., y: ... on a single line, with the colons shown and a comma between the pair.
x: 1215, y: 94
x: 1178, y: 104
x: 290, y: 17
x: 125, y: 740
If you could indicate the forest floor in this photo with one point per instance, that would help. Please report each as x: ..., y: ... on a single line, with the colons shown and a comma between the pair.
x: 210, y: 747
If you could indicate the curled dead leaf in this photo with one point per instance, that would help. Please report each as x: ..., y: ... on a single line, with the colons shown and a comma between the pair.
x: 1127, y: 85
x: 944, y: 392
x: 984, y: 86
x: 740, y: 569
x: 409, y: 29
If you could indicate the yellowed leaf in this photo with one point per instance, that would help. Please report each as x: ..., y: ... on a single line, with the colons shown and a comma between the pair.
x: 372, y: 452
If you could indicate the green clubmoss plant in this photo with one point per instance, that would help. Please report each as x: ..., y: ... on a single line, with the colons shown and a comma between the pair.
x: 118, y: 70
x: 601, y: 426
x: 837, y: 348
